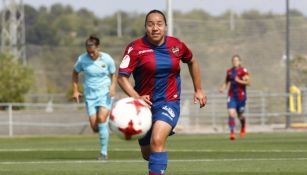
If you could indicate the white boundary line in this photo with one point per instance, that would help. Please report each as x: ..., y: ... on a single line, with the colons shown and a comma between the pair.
x: 142, y: 161
x: 137, y: 150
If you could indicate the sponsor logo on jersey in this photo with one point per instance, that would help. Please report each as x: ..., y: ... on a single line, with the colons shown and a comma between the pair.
x: 145, y: 51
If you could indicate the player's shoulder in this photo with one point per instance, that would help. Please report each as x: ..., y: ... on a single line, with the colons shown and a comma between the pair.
x: 230, y: 69
x: 136, y: 43
x: 243, y: 69
x: 105, y: 55
x: 135, y: 46
x: 173, y: 40
x: 83, y: 57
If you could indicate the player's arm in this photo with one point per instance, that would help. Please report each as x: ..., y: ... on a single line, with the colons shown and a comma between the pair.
x: 196, y: 78
x: 113, y: 85
x: 75, y: 80
x: 224, y: 86
x: 126, y: 86
x: 245, y: 79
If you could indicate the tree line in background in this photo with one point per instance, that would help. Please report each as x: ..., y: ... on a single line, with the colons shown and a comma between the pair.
x: 61, y: 25
x: 55, y: 37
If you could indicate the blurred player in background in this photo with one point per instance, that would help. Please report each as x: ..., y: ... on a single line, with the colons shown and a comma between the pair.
x: 99, y: 88
x: 237, y: 79
x: 154, y: 61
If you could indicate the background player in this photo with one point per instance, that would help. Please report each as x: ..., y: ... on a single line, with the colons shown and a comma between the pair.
x: 237, y: 79
x: 154, y: 61
x: 99, y: 88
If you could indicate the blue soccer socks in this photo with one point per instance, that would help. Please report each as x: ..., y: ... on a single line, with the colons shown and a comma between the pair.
x: 157, y: 163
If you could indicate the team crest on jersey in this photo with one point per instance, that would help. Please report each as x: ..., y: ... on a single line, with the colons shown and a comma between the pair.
x: 103, y: 65
x: 175, y: 50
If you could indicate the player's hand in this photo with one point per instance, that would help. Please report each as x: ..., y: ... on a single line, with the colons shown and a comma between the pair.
x: 200, y: 97
x: 76, y: 96
x: 237, y: 79
x: 146, y: 98
x: 112, y: 92
x: 221, y: 90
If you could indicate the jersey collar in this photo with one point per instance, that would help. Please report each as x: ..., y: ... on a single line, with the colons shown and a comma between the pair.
x: 152, y: 45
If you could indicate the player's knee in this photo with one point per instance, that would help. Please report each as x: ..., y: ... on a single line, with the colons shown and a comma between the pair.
x: 157, y: 142
x: 232, y: 114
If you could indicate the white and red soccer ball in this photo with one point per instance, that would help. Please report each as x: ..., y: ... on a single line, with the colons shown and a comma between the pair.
x: 130, y: 118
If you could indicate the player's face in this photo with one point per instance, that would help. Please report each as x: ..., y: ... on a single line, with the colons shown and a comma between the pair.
x: 92, y: 51
x: 155, y: 28
x: 236, y: 62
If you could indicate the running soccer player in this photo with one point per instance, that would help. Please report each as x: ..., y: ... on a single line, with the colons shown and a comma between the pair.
x: 154, y: 61
x: 237, y: 79
x: 99, y: 88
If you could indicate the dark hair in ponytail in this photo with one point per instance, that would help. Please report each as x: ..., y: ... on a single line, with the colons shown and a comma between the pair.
x: 92, y: 40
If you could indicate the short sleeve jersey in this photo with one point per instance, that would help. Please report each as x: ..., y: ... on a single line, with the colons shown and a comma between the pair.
x: 156, y: 69
x: 236, y: 91
x: 97, y: 72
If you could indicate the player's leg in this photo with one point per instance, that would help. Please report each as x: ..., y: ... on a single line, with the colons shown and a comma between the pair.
x: 231, y: 117
x: 103, y: 132
x: 94, y: 122
x: 166, y: 118
x: 92, y: 113
x: 232, y: 122
x: 240, y: 111
x: 158, y: 157
x: 145, y: 145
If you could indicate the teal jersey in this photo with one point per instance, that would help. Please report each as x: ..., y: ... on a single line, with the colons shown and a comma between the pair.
x: 97, y: 80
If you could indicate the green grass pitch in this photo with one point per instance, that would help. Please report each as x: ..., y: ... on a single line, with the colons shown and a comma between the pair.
x: 265, y: 154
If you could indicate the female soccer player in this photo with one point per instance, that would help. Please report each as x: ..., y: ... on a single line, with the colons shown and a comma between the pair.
x: 237, y: 79
x: 154, y: 61
x: 99, y: 88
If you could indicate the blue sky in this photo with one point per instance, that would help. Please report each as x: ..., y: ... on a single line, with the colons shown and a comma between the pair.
x: 215, y: 7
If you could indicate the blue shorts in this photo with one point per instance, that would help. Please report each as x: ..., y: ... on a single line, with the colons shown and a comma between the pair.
x: 239, y: 105
x: 168, y: 112
x: 92, y: 105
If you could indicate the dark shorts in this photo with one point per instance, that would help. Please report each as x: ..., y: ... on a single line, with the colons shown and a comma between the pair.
x: 168, y: 112
x: 239, y: 105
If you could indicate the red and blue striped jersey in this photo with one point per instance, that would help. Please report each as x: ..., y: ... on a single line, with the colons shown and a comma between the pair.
x: 236, y: 91
x: 156, y: 69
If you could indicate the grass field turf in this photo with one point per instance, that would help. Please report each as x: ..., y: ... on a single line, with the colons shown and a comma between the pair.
x: 274, y: 153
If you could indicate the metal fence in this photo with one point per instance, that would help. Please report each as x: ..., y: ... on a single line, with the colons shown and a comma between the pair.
x: 264, y: 112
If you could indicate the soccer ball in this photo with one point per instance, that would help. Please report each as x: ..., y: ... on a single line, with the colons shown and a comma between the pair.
x: 130, y: 118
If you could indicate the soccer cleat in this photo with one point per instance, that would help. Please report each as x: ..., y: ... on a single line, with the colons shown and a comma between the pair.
x: 102, y: 157
x: 232, y: 136
x: 242, y: 133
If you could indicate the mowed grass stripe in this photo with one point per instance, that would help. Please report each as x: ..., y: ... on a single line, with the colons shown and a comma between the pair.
x: 138, y: 150
x: 139, y: 161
